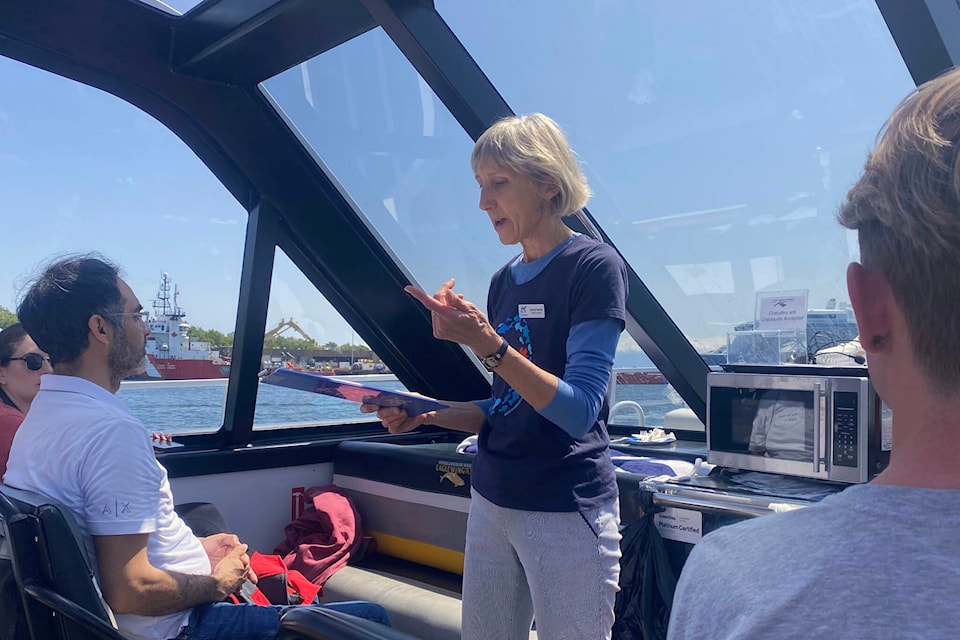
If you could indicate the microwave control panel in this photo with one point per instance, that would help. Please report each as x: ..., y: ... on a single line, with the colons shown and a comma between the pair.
x: 845, y: 420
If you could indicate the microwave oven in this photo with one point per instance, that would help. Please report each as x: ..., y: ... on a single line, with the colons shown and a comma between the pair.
x: 812, y: 422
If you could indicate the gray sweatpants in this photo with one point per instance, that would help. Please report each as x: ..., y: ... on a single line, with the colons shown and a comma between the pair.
x: 560, y: 568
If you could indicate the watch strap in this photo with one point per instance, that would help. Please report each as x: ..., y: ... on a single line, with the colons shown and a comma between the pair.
x: 492, y: 361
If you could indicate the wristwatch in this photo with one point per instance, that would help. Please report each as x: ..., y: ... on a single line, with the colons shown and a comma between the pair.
x: 492, y: 361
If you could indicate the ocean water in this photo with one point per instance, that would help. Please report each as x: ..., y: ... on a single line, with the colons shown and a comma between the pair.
x: 197, y: 406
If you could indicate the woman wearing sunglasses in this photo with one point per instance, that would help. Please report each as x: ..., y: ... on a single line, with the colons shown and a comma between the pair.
x: 21, y: 365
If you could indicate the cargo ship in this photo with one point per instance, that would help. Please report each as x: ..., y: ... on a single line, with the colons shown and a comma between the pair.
x: 172, y: 354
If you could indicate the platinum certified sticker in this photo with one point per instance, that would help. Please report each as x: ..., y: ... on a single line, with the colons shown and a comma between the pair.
x: 682, y: 525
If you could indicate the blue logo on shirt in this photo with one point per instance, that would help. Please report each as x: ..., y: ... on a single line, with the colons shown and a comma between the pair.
x: 518, y: 329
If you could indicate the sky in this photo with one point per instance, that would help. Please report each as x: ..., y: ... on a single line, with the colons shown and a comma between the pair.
x: 83, y: 171
x: 718, y: 144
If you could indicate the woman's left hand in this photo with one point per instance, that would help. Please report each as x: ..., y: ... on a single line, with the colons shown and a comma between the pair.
x: 458, y: 320
x: 397, y: 420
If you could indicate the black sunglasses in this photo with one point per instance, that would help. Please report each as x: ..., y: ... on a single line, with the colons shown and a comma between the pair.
x: 34, y: 361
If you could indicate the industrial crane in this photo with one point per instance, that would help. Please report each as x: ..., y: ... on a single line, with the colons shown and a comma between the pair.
x: 283, y: 326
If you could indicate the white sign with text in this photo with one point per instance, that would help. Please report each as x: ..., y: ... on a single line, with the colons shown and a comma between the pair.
x: 682, y: 525
x: 786, y: 311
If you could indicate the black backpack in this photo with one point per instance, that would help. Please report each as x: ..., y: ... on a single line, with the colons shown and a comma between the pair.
x: 647, y: 581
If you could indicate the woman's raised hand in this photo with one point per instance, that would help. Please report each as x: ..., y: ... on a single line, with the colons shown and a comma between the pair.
x: 456, y: 319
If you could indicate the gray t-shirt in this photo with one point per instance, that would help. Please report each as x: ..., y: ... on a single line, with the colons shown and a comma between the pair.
x: 871, y: 562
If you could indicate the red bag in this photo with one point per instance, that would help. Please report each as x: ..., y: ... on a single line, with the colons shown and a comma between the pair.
x: 325, y: 537
x: 275, y: 584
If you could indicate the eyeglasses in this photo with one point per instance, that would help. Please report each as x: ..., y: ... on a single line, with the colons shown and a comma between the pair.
x: 34, y: 361
x: 142, y: 316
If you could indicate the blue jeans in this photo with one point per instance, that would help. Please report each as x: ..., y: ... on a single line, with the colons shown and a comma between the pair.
x: 227, y: 621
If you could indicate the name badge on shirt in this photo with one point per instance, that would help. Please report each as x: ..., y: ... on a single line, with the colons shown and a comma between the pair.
x: 532, y: 311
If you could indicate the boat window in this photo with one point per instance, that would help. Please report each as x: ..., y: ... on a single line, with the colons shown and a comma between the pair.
x: 719, y: 142
x: 174, y: 7
x: 638, y: 381
x: 383, y: 134
x: 380, y: 131
x: 305, y: 333
x: 81, y: 171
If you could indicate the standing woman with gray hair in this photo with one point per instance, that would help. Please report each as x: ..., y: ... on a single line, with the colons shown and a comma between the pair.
x: 542, y: 534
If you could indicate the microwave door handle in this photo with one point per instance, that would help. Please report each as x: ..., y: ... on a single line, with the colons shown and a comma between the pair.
x: 816, y: 426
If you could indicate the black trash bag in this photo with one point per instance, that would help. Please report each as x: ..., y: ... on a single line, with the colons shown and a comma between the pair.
x: 647, y: 581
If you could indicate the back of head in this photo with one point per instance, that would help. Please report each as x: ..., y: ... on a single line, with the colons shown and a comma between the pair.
x: 535, y: 146
x: 906, y: 209
x: 58, y: 305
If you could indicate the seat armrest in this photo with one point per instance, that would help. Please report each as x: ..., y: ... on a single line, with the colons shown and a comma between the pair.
x: 317, y: 623
x: 69, y: 609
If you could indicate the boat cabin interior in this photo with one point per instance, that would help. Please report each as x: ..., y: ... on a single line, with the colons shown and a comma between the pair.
x: 309, y: 158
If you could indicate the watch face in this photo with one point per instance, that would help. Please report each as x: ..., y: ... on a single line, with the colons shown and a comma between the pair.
x: 492, y: 361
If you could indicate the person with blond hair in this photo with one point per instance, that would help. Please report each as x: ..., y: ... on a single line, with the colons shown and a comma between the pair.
x: 876, y: 560
x: 542, y: 534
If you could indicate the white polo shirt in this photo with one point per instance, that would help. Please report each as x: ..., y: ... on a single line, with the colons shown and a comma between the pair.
x: 81, y: 446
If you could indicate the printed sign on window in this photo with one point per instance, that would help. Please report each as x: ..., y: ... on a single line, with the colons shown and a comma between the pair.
x: 784, y: 311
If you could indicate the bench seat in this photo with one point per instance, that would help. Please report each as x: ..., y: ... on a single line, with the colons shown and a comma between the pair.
x: 414, y: 606
x: 413, y: 499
